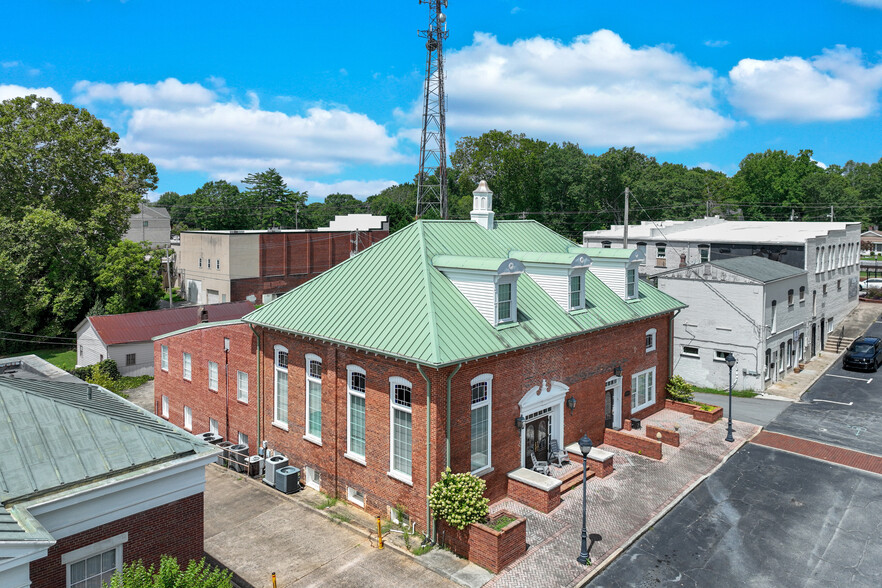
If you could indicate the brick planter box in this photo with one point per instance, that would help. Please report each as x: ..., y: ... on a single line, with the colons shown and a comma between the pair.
x: 667, y: 437
x: 707, y: 417
x: 534, y: 490
x: 485, y: 546
x: 683, y: 407
x: 641, y: 445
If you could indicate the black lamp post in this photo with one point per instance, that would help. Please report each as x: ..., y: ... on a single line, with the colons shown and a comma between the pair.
x: 730, y: 361
x: 585, y: 445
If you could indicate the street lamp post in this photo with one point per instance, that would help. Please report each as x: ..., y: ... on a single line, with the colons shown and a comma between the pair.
x: 730, y: 361
x: 585, y: 445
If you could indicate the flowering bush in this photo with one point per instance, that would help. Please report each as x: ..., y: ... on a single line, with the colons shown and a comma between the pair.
x: 679, y: 389
x: 458, y: 499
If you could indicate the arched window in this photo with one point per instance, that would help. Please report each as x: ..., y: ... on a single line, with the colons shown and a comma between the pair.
x: 650, y: 340
x: 280, y: 387
x: 401, y: 426
x: 356, y: 380
x: 313, y: 398
x: 482, y: 393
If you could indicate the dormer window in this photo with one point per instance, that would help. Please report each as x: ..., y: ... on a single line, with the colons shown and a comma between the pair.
x: 488, y: 283
x: 632, y: 283
x: 576, y: 292
x: 504, y: 302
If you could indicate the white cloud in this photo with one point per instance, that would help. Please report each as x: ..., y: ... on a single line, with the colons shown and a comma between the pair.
x: 10, y: 63
x: 8, y: 91
x: 716, y: 44
x: 169, y: 94
x: 358, y: 188
x: 870, y: 3
x: 836, y: 85
x: 597, y: 90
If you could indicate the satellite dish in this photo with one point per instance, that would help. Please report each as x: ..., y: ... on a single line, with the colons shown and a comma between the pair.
x: 442, y: 18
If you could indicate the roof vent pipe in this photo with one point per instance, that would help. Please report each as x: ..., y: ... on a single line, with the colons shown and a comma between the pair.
x: 91, y: 387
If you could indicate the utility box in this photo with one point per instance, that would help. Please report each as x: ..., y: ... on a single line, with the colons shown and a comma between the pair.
x: 288, y: 479
x: 270, y: 466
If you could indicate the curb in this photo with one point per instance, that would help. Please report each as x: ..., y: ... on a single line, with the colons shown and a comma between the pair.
x: 642, y: 531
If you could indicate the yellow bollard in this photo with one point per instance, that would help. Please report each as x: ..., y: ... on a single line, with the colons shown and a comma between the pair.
x: 274, y: 580
x: 379, y: 533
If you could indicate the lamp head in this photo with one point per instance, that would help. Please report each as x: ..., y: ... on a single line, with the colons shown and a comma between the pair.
x: 585, y: 445
x: 730, y: 361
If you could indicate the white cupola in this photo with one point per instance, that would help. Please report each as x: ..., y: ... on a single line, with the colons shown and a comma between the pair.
x: 482, y: 206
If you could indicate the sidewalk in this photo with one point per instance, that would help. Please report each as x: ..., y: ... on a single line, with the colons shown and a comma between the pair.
x: 620, y: 507
x: 794, y: 385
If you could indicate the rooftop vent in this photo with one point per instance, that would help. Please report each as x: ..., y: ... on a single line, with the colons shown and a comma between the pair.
x: 482, y: 207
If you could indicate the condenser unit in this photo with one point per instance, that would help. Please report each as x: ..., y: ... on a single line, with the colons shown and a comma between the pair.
x: 212, y: 438
x: 288, y: 479
x: 238, y: 455
x: 254, y: 463
x: 270, y: 466
x: 224, y: 457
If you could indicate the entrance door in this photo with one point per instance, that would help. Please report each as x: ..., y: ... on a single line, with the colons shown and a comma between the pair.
x: 822, y: 334
x: 536, y: 438
x: 608, y: 407
x: 613, y: 404
x: 814, y: 340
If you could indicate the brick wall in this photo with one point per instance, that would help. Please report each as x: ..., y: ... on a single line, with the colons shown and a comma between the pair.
x: 534, y: 497
x: 488, y: 548
x: 633, y: 443
x: 667, y: 437
x: 173, y: 529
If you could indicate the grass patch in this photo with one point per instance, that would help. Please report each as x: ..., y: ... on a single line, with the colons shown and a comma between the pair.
x: 340, y: 517
x: 737, y: 393
x: 501, y: 522
x: 60, y: 357
x: 328, y: 502
x: 422, y: 549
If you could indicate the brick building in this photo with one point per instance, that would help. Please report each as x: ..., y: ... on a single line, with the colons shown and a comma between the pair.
x: 90, y: 482
x: 468, y: 344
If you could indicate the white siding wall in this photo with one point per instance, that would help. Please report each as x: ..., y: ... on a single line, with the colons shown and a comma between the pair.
x: 612, y: 276
x: 555, y: 283
x: 479, y: 290
x: 143, y: 358
x: 92, y: 346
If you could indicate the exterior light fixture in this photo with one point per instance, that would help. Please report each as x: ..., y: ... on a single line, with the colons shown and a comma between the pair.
x: 585, y: 445
x: 571, y: 403
x: 617, y: 371
x: 730, y: 361
x: 519, y: 423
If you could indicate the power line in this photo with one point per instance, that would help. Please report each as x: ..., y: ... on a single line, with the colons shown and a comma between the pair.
x: 38, y: 336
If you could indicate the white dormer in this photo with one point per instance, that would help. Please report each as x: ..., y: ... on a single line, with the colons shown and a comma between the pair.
x: 482, y: 206
x: 560, y: 275
x: 616, y: 268
x: 488, y: 283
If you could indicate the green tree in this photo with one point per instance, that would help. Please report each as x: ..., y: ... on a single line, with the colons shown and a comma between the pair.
x: 66, y: 194
x: 170, y: 575
x: 273, y: 204
x: 167, y: 200
x: 397, y: 203
x: 129, y: 273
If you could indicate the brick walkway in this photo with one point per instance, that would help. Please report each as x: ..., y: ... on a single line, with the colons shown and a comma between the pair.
x: 619, y: 506
x: 822, y: 451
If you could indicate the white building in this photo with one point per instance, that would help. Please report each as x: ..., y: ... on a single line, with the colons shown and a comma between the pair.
x: 828, y: 252
x: 151, y: 224
x: 756, y: 309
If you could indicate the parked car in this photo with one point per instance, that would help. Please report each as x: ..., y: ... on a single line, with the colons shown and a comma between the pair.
x: 870, y: 283
x: 864, y: 354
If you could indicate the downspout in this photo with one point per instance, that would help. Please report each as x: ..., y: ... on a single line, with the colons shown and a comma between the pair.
x: 671, y: 343
x: 447, y: 419
x: 259, y: 389
x: 430, y: 530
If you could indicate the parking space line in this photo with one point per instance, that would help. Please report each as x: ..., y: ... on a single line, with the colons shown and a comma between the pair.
x: 849, y: 378
x: 832, y: 401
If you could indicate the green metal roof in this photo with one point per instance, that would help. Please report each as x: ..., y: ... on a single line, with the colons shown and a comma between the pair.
x: 546, y: 257
x: 56, y: 437
x: 492, y: 264
x: 758, y: 268
x: 392, y: 300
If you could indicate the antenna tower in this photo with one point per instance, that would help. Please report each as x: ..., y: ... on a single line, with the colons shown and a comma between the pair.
x: 432, y: 178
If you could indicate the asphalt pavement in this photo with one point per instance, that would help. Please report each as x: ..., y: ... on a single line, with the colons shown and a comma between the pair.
x: 758, y: 411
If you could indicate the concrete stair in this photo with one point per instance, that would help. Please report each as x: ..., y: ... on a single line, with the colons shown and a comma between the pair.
x: 833, y: 344
x: 573, y: 479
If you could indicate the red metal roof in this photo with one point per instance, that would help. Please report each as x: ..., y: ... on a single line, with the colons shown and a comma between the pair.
x: 143, y: 326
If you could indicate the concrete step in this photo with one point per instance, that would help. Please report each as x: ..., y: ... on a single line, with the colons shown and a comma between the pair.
x: 572, y: 480
x: 833, y: 345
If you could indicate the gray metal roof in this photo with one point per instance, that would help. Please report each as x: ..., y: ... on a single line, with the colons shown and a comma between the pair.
x: 56, y: 438
x: 758, y: 268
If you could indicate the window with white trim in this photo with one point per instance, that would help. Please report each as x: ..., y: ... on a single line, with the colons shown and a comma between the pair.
x: 768, y: 372
x: 280, y: 388
x: 690, y: 351
x: 504, y: 302
x: 188, y: 367
x: 642, y: 390
x: 650, y: 340
x: 576, y: 289
x: 481, y: 408
x: 212, y: 376
x: 313, y: 396
x: 660, y: 251
x: 802, y: 293
x: 163, y: 354
x: 401, y: 441
x: 213, y: 426
x: 704, y: 253
x: 164, y: 407
x: 242, y: 386
x: 721, y: 355
x: 631, y: 277
x: 355, y: 496
x: 818, y: 259
x: 774, y: 320
x: 355, y: 416
x: 94, y: 565
x: 606, y: 244
x: 790, y: 297
x: 243, y: 438
x: 188, y: 418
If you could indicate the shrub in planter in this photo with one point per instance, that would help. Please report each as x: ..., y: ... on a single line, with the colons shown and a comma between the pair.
x: 458, y: 499
x: 680, y: 390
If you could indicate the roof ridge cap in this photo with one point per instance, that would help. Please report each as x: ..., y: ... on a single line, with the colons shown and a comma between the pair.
x: 433, y: 329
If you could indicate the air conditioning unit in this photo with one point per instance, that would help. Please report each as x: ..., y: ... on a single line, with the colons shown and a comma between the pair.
x: 212, y: 438
x: 254, y: 464
x: 224, y: 457
x: 270, y: 466
x: 288, y: 479
x: 238, y: 455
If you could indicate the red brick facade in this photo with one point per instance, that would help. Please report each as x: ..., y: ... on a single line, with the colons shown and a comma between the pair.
x: 488, y: 548
x: 541, y: 500
x: 173, y: 529
x: 583, y: 363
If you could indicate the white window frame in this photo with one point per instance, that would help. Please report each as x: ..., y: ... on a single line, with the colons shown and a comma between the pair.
x: 781, y: 360
x: 581, y: 292
x: 685, y: 353
x: 350, y: 394
x: 661, y: 250
x: 650, y: 398
x: 352, y: 495
x: 774, y: 321
x: 654, y: 334
x: 163, y: 357
x: 704, y: 252
x: 212, y: 376
x: 241, y: 391
x: 631, y: 283
x: 768, y: 371
x: 164, y: 406
x: 188, y: 418
x: 487, y: 402
x: 280, y: 373
x: 76, y: 556
x: 393, y: 473
x: 310, y: 436
x: 801, y: 294
x: 188, y: 367
x: 717, y: 356
x: 513, y: 307
x: 213, y: 426
x: 242, y: 438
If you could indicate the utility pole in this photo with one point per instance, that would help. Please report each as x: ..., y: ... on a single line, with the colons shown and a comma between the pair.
x: 625, y: 236
x: 831, y: 213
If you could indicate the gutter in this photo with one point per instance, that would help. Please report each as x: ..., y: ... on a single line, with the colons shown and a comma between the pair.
x: 429, y: 526
x: 259, y: 388
x: 447, y: 419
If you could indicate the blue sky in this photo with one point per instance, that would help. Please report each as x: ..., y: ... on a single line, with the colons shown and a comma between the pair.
x: 329, y: 93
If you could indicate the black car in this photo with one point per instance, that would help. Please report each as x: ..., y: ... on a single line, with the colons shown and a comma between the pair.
x: 864, y: 354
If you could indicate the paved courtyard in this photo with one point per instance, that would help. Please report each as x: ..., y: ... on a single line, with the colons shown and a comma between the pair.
x: 618, y: 506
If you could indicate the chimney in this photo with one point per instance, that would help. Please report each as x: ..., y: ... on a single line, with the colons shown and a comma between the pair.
x: 482, y: 206
x: 203, y: 315
x: 682, y: 260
